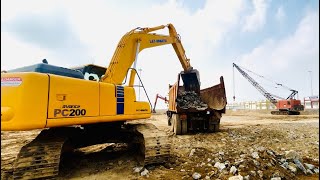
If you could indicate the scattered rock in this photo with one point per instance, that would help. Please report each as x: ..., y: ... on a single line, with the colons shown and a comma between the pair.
x: 285, y: 165
x: 260, y: 173
x: 255, y: 155
x: 283, y: 160
x: 276, y: 178
x: 261, y: 148
x: 270, y: 153
x: 253, y: 173
x: 309, y: 171
x: 247, y: 177
x: 256, y: 163
x: 120, y: 162
x: 207, y: 177
x: 316, y: 170
x: 309, y: 166
x: 144, y: 172
x: 292, y: 167
x: 137, y: 169
x: 292, y: 155
x: 182, y: 170
x: 208, y: 159
x: 196, y: 175
x: 221, y: 153
x: 300, y: 166
x: 233, y: 170
x: 227, y: 163
x: 239, y: 177
x: 192, y: 152
x: 219, y: 165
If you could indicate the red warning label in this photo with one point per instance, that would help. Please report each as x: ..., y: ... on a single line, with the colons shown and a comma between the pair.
x: 11, y: 81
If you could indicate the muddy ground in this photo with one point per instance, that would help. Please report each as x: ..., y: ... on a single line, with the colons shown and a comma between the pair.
x: 259, y: 146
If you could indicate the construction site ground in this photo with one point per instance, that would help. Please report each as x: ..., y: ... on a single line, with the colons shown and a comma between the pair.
x: 256, y: 143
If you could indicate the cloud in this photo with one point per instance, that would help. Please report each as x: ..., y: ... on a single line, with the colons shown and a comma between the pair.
x: 89, y: 32
x: 280, y: 15
x: 287, y: 60
x: 49, y: 32
x: 257, y: 19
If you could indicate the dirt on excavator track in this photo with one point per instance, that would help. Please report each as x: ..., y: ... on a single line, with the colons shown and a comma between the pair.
x: 243, y: 135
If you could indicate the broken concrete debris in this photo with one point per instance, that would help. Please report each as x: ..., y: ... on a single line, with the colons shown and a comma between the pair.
x: 190, y: 99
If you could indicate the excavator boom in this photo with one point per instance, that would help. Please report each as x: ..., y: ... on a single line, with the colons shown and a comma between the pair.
x: 133, y: 42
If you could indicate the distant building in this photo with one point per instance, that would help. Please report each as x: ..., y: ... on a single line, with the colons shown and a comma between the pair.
x: 311, y: 102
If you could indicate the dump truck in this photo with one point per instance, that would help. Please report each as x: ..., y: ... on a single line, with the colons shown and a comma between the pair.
x: 194, y: 110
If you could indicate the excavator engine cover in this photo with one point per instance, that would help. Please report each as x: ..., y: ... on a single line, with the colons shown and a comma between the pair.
x: 191, y: 80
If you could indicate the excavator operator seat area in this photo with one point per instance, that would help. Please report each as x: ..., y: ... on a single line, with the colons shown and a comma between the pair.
x: 92, y: 72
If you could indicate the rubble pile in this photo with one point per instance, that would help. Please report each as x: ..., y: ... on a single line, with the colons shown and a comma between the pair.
x: 190, y: 99
x: 262, y: 163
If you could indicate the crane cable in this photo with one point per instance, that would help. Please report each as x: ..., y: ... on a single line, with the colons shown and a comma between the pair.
x: 278, y: 84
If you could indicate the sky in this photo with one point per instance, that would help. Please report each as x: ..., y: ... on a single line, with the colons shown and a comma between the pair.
x: 276, y: 39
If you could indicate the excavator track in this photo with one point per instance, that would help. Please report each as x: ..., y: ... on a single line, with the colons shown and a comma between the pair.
x: 40, y: 158
x: 154, y: 144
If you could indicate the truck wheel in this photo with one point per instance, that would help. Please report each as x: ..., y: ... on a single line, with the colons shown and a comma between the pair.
x: 169, y: 121
x: 176, y: 124
x: 216, y: 127
x: 184, y: 126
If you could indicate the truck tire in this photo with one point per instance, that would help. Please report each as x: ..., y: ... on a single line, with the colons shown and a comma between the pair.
x: 184, y: 126
x: 216, y: 127
x: 176, y: 124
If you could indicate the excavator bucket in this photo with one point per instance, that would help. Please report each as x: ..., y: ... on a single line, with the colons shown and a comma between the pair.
x: 215, y: 96
x: 191, y: 80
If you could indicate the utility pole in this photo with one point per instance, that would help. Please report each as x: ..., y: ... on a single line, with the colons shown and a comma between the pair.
x: 311, y: 82
x: 139, y: 81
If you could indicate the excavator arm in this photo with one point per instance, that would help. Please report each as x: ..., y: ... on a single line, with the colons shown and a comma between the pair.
x: 132, y: 43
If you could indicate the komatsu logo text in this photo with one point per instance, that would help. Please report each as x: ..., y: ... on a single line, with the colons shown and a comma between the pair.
x: 158, y: 40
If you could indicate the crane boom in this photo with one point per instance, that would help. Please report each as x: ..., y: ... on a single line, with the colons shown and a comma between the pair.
x: 256, y: 85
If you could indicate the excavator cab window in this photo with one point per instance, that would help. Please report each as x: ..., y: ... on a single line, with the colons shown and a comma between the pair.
x: 92, y: 72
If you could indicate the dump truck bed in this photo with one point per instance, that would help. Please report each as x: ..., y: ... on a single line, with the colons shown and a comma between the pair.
x: 214, y: 97
x: 191, y: 111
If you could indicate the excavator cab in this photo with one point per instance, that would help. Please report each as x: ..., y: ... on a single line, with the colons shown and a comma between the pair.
x: 91, y: 71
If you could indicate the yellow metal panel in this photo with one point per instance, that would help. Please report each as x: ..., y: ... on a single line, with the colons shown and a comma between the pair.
x: 129, y: 99
x: 71, y: 97
x: 89, y: 120
x: 24, y: 99
x: 107, y: 99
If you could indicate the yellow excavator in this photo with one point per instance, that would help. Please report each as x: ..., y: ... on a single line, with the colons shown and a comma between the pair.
x: 82, y: 106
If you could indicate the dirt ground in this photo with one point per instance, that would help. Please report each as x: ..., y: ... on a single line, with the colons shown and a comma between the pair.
x: 242, y: 136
